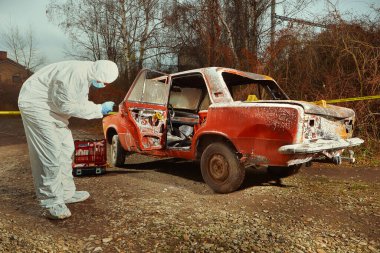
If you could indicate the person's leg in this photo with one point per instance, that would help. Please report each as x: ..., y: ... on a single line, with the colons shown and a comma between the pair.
x: 70, y: 195
x: 65, y: 162
x: 44, y: 149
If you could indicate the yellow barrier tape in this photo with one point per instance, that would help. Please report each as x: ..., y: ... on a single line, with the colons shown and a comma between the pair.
x: 18, y: 113
x: 341, y: 100
x: 10, y: 113
x: 254, y: 98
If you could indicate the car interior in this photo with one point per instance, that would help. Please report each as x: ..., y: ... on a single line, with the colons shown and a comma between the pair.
x: 188, y: 95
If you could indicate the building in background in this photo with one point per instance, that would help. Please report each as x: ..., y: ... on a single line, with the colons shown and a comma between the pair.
x: 11, y: 72
x: 12, y: 76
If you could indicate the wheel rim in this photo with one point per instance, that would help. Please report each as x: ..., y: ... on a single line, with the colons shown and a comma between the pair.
x: 113, y: 151
x: 218, y: 168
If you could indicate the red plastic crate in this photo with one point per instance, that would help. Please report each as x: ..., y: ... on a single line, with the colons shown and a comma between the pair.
x: 90, y: 155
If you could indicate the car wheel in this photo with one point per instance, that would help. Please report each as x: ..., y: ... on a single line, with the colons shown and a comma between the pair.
x: 221, y: 168
x: 281, y: 172
x: 116, y: 153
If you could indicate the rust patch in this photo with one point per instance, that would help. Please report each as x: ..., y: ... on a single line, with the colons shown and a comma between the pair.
x: 253, y: 160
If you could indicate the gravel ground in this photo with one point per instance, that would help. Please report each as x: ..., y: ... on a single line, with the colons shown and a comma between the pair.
x: 154, y: 205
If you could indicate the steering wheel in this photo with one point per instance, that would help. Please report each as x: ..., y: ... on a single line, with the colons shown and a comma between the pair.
x: 171, y: 111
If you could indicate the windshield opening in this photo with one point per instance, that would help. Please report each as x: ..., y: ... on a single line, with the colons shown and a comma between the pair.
x: 150, y: 87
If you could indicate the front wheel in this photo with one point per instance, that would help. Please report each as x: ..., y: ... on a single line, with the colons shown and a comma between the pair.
x: 116, y: 153
x: 221, y: 168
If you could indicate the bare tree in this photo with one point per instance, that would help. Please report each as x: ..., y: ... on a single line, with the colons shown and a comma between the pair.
x: 90, y: 25
x: 127, y: 32
x: 232, y: 33
x: 141, y: 25
x: 22, y: 47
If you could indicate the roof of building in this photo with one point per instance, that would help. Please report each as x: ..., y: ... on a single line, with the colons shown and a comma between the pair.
x: 13, y: 63
x: 18, y: 65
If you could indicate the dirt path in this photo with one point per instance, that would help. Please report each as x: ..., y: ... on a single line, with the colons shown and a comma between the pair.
x: 163, y: 205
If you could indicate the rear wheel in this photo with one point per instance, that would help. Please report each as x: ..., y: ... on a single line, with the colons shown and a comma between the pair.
x: 281, y: 172
x: 116, y: 153
x: 221, y: 168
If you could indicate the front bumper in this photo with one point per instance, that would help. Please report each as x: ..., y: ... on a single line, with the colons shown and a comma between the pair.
x: 319, y: 146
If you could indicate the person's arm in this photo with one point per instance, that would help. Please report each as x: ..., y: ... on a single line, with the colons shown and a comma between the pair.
x: 65, y: 97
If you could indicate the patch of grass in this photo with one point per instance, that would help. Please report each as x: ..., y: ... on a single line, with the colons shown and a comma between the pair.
x: 376, y: 162
x: 322, y: 179
x: 368, y: 154
x: 357, y: 186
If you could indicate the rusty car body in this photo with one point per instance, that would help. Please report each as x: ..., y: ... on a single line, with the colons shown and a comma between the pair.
x: 229, y: 120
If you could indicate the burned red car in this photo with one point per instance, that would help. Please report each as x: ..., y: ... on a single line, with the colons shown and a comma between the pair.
x: 228, y: 120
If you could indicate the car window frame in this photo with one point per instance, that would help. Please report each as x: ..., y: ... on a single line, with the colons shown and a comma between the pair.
x: 136, y: 81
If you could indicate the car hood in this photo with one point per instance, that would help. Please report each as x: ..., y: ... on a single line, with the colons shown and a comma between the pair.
x: 311, y: 108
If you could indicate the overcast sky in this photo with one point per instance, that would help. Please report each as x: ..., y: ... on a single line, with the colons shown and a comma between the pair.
x: 52, y: 41
x: 24, y: 13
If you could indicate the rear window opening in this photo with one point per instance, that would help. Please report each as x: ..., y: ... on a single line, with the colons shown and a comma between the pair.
x: 243, y: 88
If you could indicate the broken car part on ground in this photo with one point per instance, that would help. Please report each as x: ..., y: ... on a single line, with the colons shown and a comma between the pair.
x: 229, y: 120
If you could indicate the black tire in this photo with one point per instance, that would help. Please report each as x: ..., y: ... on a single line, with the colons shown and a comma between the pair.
x: 281, y: 172
x: 116, y: 153
x: 221, y: 168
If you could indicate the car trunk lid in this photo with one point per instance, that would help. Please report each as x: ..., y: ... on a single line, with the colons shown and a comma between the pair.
x: 311, y: 108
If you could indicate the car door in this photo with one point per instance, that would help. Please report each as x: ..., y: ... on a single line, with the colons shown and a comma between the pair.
x: 146, y: 109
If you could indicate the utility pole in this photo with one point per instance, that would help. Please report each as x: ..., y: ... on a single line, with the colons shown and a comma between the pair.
x: 300, y: 21
x: 272, y: 21
x: 274, y: 16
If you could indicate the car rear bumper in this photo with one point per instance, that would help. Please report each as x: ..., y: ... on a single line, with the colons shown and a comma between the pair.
x: 319, y: 146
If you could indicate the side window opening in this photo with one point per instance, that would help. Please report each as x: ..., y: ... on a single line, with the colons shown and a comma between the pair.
x: 185, y: 98
x: 187, y: 92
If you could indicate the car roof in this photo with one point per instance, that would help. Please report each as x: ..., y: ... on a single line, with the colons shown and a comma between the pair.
x: 215, y: 70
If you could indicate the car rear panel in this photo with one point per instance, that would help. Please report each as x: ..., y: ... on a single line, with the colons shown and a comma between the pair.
x: 283, y: 132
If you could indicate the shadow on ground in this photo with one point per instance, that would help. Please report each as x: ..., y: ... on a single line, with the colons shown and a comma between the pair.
x: 190, y: 170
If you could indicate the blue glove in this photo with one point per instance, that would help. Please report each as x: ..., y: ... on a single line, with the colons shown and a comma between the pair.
x: 97, y: 84
x: 107, y: 107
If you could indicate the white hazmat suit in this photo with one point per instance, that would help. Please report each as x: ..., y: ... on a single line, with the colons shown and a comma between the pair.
x: 47, y: 100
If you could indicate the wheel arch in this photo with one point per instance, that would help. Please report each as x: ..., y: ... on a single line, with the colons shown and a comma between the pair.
x: 111, y: 131
x: 207, y: 138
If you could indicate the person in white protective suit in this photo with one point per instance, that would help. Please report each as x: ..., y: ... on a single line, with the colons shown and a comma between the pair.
x: 47, y: 100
